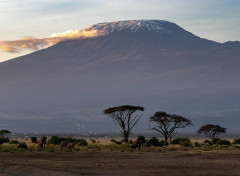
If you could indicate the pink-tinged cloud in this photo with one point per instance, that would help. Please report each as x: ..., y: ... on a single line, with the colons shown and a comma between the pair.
x: 16, y: 46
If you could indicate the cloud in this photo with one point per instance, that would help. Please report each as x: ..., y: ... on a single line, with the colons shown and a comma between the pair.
x: 17, y: 46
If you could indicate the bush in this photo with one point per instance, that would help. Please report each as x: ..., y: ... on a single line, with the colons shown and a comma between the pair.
x: 185, y: 142
x: 14, y: 142
x: 219, y: 141
x: 196, y: 144
x: 130, y: 142
x: 182, y: 141
x: 216, y: 140
x: 4, y: 140
x: 142, y: 138
x: 154, y: 142
x: 118, y: 142
x: 223, y: 142
x: 236, y: 141
x: 208, y: 142
x: 33, y: 139
x: 176, y: 141
x: 82, y: 142
x: 93, y: 141
x: 113, y: 140
x: 57, y: 140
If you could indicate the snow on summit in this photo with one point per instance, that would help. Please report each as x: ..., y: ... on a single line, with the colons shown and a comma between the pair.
x: 133, y: 25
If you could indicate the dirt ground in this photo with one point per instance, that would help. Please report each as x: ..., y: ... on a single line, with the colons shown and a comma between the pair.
x: 217, y: 163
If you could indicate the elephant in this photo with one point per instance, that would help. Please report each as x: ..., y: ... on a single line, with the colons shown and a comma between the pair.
x: 41, y: 143
x: 138, y: 144
x: 64, y: 144
x: 22, y: 145
x: 70, y: 146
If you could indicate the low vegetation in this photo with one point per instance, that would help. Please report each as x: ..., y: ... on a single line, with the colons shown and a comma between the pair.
x: 34, y: 139
x: 148, y: 145
x: 185, y: 142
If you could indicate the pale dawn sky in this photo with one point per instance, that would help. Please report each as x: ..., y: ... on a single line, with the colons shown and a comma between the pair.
x: 216, y: 20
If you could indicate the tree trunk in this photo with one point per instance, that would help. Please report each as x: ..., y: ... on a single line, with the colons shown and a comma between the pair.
x: 126, y: 135
x: 166, y: 140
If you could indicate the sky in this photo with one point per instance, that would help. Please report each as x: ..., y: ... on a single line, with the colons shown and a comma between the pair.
x: 47, y: 21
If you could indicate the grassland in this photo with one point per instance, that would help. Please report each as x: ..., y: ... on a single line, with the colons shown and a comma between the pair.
x: 103, y: 157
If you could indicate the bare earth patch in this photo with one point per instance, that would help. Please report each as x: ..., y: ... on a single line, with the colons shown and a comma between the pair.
x: 215, y: 163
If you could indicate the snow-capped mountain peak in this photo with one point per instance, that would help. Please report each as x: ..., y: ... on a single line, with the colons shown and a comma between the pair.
x: 133, y: 25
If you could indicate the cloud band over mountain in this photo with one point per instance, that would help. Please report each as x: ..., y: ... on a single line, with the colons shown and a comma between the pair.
x: 32, y: 43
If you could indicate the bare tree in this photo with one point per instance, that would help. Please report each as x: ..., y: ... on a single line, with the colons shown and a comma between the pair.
x: 122, y: 115
x: 167, y: 124
x: 210, y: 130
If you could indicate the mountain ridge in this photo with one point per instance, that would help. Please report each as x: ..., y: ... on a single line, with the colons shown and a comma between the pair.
x: 179, y: 73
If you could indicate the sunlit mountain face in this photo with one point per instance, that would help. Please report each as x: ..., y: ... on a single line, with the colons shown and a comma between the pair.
x: 152, y: 63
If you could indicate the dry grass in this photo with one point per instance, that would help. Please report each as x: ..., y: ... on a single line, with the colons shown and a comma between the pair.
x: 105, y: 145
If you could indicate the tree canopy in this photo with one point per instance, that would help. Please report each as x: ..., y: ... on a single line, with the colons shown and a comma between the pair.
x: 122, y: 115
x: 210, y: 130
x: 125, y: 108
x: 167, y: 123
x: 4, y: 132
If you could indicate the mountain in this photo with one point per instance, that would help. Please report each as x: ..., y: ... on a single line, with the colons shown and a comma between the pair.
x: 152, y: 63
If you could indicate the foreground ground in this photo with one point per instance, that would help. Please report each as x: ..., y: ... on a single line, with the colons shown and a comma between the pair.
x: 205, y: 163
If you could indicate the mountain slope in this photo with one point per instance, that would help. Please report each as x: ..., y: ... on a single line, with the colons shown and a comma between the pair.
x: 152, y: 63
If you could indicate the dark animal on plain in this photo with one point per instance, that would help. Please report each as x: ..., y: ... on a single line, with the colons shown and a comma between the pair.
x: 41, y: 143
x: 70, y: 146
x: 138, y: 144
x: 22, y: 145
x: 64, y: 144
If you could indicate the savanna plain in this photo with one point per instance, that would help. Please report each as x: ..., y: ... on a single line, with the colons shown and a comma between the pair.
x: 113, y: 157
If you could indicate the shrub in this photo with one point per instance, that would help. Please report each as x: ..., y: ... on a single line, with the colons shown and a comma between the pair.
x: 185, y: 142
x: 82, y: 142
x: 176, y: 141
x: 142, y: 138
x: 113, y: 140
x: 154, y: 142
x: 223, y: 142
x: 182, y: 141
x: 130, y: 142
x: 33, y: 139
x: 196, y: 144
x: 236, y: 141
x: 93, y: 141
x: 208, y: 142
x: 4, y: 140
x: 57, y: 140
x: 216, y: 140
x: 118, y: 142
x: 14, y: 142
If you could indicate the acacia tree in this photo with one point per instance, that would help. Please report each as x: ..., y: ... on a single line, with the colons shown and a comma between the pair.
x: 167, y: 124
x: 210, y: 130
x: 4, y: 132
x: 122, y: 115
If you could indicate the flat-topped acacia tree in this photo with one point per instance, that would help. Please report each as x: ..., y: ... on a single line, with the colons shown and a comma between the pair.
x: 123, y: 116
x: 167, y: 124
x: 4, y: 132
x: 210, y: 130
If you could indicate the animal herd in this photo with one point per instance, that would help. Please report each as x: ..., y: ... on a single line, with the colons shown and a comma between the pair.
x: 138, y: 144
x: 42, y: 143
